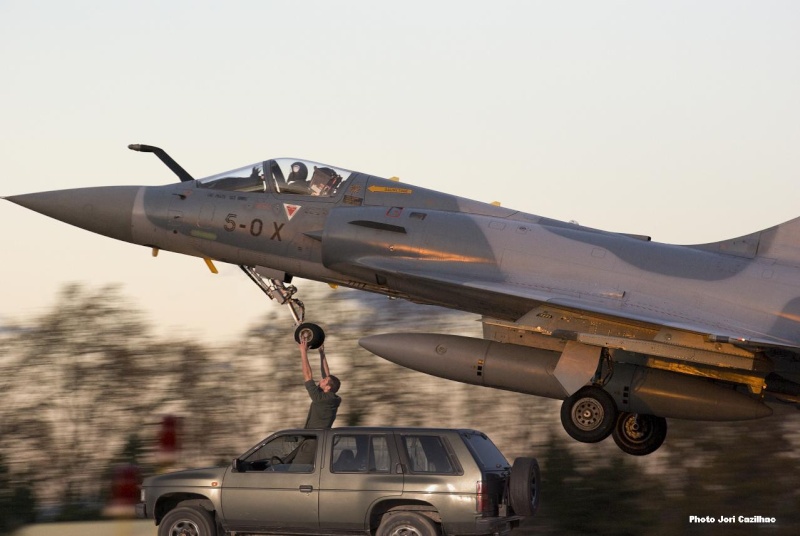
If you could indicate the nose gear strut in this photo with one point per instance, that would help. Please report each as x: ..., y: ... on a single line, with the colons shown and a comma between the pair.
x: 275, y: 289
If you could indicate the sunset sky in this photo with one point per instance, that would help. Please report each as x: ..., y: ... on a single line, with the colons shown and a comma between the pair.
x: 679, y: 120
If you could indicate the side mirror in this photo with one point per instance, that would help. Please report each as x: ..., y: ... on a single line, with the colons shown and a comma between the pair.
x: 237, y: 465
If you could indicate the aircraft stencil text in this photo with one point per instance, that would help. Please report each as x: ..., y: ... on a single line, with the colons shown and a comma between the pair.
x: 256, y: 227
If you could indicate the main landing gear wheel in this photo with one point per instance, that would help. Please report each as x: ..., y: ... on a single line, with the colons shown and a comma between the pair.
x: 523, y: 486
x: 311, y: 333
x: 639, y: 435
x: 589, y: 415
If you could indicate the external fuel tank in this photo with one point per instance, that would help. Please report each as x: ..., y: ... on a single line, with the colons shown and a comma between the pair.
x: 524, y: 369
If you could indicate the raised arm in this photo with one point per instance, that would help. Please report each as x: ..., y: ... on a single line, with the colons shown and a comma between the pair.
x: 323, y: 362
x: 304, y: 360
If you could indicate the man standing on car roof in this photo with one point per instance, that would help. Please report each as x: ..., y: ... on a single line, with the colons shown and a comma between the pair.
x: 324, y: 400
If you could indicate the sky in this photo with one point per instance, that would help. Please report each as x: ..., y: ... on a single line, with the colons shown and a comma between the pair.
x: 679, y: 120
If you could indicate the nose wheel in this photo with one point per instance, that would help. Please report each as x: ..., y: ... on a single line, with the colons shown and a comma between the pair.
x: 311, y: 333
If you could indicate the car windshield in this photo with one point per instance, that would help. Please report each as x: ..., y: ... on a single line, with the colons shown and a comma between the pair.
x: 282, y: 176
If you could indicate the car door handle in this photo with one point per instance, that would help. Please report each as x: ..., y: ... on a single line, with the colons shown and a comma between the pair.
x: 306, y: 489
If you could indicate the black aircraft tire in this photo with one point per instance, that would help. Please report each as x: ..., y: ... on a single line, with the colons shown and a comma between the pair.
x: 406, y: 524
x: 639, y: 435
x: 589, y: 415
x: 312, y: 332
x: 524, y: 485
x: 194, y: 520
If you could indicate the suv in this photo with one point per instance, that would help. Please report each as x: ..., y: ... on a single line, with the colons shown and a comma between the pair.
x: 382, y: 481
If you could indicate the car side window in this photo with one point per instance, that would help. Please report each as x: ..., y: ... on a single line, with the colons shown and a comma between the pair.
x: 427, y: 454
x: 360, y: 453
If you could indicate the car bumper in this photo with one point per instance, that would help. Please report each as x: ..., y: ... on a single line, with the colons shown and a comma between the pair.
x: 141, y: 510
x: 484, y: 525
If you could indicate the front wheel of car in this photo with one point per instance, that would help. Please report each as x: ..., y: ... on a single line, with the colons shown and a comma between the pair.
x: 187, y: 521
x: 406, y: 524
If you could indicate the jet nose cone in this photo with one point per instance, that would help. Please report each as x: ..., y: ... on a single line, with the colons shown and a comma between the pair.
x: 106, y: 210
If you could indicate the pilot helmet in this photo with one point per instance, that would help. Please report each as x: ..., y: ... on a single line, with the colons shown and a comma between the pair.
x: 299, y: 172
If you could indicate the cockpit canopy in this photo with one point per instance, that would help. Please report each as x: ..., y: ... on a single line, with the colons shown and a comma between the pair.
x: 281, y: 176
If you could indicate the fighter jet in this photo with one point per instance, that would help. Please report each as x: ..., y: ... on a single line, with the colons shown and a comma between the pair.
x: 626, y: 331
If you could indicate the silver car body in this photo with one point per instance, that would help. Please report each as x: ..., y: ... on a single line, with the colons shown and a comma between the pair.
x: 262, y: 492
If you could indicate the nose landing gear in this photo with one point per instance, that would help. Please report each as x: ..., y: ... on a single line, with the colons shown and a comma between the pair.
x: 277, y: 290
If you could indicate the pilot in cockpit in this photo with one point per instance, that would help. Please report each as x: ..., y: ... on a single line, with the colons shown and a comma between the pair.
x: 297, y: 180
x: 298, y: 176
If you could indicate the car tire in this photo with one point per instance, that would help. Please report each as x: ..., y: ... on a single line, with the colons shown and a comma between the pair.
x: 524, y: 486
x: 187, y: 521
x: 406, y: 524
x: 589, y: 415
x: 311, y: 332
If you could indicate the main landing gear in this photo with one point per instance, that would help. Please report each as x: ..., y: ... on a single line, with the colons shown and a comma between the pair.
x: 277, y: 290
x: 590, y: 415
x: 639, y: 434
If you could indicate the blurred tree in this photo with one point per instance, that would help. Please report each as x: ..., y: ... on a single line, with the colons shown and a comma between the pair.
x: 87, y: 381
x: 132, y: 451
x: 736, y: 469
x: 17, y: 501
x: 602, y: 495
x: 81, y: 377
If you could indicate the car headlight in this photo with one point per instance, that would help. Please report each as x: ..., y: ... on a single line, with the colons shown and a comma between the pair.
x: 142, y: 496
